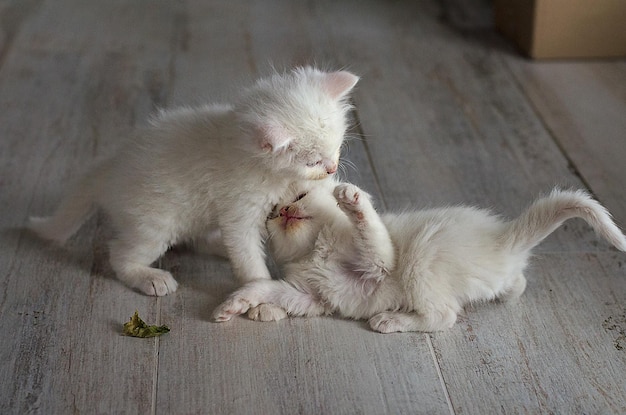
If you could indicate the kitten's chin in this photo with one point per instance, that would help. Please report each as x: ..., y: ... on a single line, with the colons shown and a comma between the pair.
x: 292, y: 224
x: 287, y: 225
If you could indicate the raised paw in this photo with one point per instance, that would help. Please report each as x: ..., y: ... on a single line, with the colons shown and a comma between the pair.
x: 267, y: 312
x: 232, y: 307
x: 387, y: 323
x: 348, y: 196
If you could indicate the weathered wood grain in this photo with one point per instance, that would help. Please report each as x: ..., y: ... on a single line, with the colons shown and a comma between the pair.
x: 583, y: 105
x: 73, y: 81
x: 553, y: 351
x: 446, y: 114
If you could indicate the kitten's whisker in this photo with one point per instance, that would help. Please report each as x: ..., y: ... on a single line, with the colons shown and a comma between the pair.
x: 355, y: 136
x: 348, y: 163
x: 343, y: 169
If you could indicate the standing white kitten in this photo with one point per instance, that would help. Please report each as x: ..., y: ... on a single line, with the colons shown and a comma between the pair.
x: 412, y: 271
x: 220, y: 167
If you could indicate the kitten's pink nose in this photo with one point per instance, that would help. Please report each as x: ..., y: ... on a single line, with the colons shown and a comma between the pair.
x: 332, y: 168
x: 285, y: 211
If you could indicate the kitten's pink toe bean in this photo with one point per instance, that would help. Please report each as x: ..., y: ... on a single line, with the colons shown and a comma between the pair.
x: 347, y: 194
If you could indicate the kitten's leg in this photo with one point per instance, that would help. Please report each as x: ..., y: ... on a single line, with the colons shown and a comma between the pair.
x: 210, y: 244
x: 280, y: 293
x: 131, y: 262
x: 242, y: 238
x: 371, y: 238
x: 389, y: 322
x: 515, y: 290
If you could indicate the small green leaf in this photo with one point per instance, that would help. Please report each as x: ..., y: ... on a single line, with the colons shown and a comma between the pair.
x: 136, y: 327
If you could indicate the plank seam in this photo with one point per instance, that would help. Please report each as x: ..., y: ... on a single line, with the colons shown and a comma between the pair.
x: 157, y: 346
x: 442, y: 381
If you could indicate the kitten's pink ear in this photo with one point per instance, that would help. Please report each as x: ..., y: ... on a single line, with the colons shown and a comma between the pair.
x: 273, y: 138
x: 338, y: 84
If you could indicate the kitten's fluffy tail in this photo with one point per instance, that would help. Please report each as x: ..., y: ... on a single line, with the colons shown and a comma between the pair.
x: 546, y: 214
x: 73, y: 211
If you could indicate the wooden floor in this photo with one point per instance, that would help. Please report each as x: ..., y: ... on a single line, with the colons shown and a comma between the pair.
x: 447, y: 113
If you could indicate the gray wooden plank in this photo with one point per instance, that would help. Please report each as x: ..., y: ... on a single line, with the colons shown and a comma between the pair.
x: 553, y: 351
x: 73, y: 81
x: 295, y: 366
x: 583, y: 104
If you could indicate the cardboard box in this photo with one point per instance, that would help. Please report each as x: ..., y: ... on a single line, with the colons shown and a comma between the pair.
x: 564, y: 28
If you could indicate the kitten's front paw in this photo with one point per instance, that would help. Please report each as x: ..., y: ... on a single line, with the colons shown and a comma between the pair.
x: 234, y: 306
x: 347, y: 196
x: 387, y: 323
x: 267, y: 312
x: 156, y: 282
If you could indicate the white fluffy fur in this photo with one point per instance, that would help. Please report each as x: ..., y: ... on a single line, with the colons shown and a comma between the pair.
x: 412, y: 271
x: 216, y: 169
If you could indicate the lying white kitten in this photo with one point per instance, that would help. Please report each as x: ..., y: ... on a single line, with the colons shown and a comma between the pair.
x: 411, y: 271
x: 220, y: 167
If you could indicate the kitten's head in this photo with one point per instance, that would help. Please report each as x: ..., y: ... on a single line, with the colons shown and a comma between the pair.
x: 297, y: 120
x: 296, y: 221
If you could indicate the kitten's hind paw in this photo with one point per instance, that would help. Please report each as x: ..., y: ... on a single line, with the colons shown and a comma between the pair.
x: 267, y: 312
x: 234, y: 306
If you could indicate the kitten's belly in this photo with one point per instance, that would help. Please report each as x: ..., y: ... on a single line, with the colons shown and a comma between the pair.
x: 357, y: 298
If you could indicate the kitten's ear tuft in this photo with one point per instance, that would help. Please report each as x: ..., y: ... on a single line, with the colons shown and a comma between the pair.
x: 273, y: 138
x: 339, y: 84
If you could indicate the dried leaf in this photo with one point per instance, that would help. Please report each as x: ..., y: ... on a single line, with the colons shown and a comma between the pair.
x: 136, y: 327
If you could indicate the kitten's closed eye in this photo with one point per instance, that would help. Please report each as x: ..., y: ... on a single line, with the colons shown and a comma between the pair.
x: 314, y: 163
x: 300, y: 197
x: 274, y: 213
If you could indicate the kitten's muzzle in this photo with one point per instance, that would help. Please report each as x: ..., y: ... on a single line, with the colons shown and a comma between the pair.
x: 290, y: 214
x: 288, y: 211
